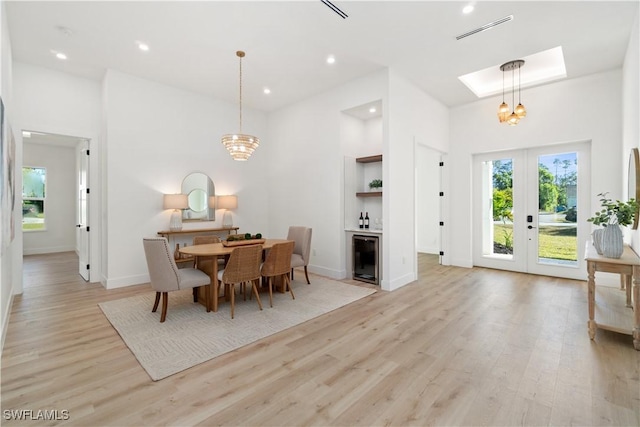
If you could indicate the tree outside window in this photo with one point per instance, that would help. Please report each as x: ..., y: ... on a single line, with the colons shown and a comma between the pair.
x: 33, y: 198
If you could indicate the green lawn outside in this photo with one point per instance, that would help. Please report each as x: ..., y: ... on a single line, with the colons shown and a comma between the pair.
x: 33, y: 226
x: 555, y: 242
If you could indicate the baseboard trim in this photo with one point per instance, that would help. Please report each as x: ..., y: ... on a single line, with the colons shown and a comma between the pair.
x: 54, y: 250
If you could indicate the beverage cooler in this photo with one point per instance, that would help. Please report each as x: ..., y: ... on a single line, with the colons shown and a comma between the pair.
x: 365, y: 259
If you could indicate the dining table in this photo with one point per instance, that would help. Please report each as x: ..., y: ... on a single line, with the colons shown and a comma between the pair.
x: 217, y: 251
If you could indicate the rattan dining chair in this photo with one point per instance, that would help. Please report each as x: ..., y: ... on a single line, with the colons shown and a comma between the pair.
x: 243, y: 267
x: 165, y: 275
x: 278, y: 264
x: 205, y: 263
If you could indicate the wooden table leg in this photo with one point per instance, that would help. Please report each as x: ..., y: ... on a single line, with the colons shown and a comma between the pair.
x: 628, y: 288
x: 636, y: 307
x: 591, y: 324
x: 214, y: 283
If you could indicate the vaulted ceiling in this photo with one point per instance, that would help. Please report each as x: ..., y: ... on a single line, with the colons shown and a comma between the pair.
x: 192, y: 45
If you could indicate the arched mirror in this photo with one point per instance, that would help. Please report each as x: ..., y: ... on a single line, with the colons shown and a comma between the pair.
x: 198, y: 187
x: 634, y: 181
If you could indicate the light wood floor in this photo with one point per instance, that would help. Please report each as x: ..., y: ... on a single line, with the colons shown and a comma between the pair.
x: 458, y: 347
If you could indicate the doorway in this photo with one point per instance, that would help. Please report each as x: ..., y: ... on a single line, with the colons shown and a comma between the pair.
x: 529, y: 209
x: 429, y: 226
x: 64, y: 202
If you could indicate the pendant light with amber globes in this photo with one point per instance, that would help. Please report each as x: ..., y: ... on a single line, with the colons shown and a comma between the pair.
x: 519, y: 111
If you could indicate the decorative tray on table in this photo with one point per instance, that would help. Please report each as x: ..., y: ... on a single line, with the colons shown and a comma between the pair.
x: 243, y: 239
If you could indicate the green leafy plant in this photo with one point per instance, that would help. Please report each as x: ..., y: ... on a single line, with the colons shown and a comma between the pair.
x: 621, y: 213
x: 376, y: 183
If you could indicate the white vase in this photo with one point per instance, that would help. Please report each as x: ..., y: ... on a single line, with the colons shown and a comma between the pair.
x: 597, y: 240
x: 612, y: 241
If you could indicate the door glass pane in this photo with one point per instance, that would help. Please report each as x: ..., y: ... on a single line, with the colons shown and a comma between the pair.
x: 557, y: 209
x: 497, y: 200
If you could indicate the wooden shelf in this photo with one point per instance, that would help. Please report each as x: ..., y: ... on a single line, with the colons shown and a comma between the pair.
x: 369, y: 159
x: 611, y: 311
x: 370, y: 194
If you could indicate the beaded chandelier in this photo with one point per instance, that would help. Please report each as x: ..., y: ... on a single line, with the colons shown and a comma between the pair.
x: 240, y: 145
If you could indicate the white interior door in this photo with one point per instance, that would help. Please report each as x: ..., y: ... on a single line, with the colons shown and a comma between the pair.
x: 82, y: 226
x: 530, y: 210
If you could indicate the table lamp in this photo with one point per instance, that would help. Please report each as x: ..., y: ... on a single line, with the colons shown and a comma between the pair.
x: 226, y: 203
x: 175, y: 202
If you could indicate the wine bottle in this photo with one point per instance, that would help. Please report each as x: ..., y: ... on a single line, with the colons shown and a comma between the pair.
x: 361, y: 221
x: 366, y: 220
x: 176, y: 254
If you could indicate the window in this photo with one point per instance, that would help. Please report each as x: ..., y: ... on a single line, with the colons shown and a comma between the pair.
x: 33, y: 198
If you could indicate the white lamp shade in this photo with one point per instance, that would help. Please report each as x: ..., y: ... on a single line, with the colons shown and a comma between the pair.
x: 175, y: 201
x: 227, y: 202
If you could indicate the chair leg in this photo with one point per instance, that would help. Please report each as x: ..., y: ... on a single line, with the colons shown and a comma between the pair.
x: 195, y: 294
x: 255, y: 291
x: 306, y: 275
x: 288, y: 284
x: 292, y: 274
x: 233, y: 297
x: 270, y: 281
x: 165, y: 301
x: 155, y: 306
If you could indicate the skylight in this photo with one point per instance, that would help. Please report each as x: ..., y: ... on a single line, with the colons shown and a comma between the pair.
x: 542, y: 67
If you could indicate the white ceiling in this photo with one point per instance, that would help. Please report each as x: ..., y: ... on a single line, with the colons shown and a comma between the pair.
x: 193, y: 44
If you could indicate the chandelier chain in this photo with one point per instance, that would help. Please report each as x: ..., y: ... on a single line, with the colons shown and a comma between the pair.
x: 513, y: 95
x: 240, y: 94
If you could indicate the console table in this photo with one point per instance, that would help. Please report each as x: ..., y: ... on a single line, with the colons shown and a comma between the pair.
x: 610, y: 308
x: 168, y: 233
x: 187, y: 260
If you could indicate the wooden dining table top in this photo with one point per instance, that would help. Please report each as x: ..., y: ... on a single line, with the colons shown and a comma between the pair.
x: 218, y: 249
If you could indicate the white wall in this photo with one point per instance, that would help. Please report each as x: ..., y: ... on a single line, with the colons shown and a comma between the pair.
x: 60, y: 204
x: 10, y: 257
x: 581, y: 109
x: 306, y: 168
x: 155, y: 136
x: 413, y: 116
x: 631, y: 108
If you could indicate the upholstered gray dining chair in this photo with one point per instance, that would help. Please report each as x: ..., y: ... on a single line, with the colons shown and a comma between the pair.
x: 167, y: 277
x: 278, y: 264
x: 302, y: 249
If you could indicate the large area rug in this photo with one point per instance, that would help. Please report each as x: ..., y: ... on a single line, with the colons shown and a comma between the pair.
x: 190, y: 335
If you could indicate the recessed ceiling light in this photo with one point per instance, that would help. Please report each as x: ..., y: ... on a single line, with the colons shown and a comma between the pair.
x: 467, y: 9
x: 143, y: 46
x: 372, y: 109
x: 267, y: 91
x: 331, y: 59
x: 61, y: 55
x: 26, y: 134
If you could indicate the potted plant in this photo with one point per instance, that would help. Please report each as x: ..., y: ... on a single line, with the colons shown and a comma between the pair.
x: 611, y: 217
x: 375, y: 185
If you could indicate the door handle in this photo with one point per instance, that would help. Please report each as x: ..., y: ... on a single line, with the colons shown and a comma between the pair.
x: 530, y: 227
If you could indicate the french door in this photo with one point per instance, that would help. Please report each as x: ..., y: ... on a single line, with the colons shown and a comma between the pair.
x: 530, y: 210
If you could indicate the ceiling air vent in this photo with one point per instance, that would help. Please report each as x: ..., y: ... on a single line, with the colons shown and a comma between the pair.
x: 486, y: 27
